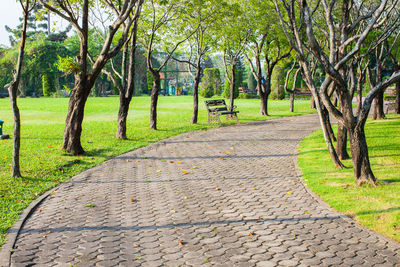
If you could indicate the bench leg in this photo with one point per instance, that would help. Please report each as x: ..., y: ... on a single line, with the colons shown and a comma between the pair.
x: 219, y: 120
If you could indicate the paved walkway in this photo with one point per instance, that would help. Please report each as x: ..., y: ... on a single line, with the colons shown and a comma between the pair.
x: 223, y: 197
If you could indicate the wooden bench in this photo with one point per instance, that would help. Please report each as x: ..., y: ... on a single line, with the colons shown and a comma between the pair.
x: 388, y: 106
x: 218, y: 107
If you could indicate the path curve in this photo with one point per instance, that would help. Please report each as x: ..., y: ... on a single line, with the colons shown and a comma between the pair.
x: 223, y: 197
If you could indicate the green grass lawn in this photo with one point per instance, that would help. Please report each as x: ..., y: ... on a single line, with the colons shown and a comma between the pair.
x: 376, y: 208
x: 44, y: 165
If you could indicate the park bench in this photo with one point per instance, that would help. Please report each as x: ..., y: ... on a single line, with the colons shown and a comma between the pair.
x: 388, y: 106
x: 303, y: 92
x: 3, y: 136
x: 218, y: 107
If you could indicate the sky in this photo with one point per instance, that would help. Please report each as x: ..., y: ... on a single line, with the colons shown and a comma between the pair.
x: 10, y: 11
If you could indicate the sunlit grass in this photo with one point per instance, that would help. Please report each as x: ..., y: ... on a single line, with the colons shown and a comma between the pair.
x: 377, y: 208
x: 44, y: 165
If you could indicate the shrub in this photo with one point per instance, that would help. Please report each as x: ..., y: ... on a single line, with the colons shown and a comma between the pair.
x: 248, y: 96
x: 277, y: 83
x: 206, y: 92
x: 211, y: 81
x: 227, y: 90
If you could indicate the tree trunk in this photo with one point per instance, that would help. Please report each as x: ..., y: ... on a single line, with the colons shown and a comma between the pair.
x: 341, y: 145
x: 232, y: 87
x: 122, y: 117
x: 128, y: 84
x: 327, y: 122
x: 359, y: 152
x: 397, y: 103
x: 261, y: 93
x: 196, y: 96
x: 154, y: 99
x: 264, y: 98
x: 328, y: 134
x: 378, y: 112
x: 312, y: 103
x: 15, y: 169
x: 73, y: 122
x: 292, y: 101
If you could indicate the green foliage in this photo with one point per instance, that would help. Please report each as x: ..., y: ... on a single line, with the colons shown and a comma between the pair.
x: 248, y: 96
x: 46, y: 84
x: 227, y: 90
x: 277, y: 83
x: 149, y: 80
x: 206, y: 91
x: 251, y: 82
x: 211, y: 83
x: 67, y: 65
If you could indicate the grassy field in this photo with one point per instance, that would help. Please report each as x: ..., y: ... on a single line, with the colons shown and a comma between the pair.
x: 377, y: 208
x: 44, y: 165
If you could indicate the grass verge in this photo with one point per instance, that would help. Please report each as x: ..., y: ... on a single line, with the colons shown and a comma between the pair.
x: 44, y: 165
x: 376, y: 208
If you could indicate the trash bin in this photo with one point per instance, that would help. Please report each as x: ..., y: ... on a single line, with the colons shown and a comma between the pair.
x: 1, y: 127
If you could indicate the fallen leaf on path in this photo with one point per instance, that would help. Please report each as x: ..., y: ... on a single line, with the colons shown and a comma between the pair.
x: 289, y: 193
x: 172, y: 211
x: 171, y: 161
x: 181, y: 243
x: 221, y: 158
x: 185, y: 172
x: 251, y: 234
x: 132, y: 200
x: 217, y: 188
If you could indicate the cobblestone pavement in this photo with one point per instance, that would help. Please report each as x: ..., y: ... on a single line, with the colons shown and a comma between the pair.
x: 223, y: 197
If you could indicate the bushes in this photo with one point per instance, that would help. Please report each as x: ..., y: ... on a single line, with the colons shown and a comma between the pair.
x: 248, y: 96
x: 227, y: 90
x: 277, y: 82
x: 211, y: 83
x: 47, y: 85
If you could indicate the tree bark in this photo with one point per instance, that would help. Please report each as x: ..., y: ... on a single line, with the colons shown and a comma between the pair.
x: 341, y: 145
x: 196, y: 95
x: 73, y: 122
x: 292, y: 101
x: 359, y: 152
x: 15, y: 169
x: 122, y: 117
x: 312, y: 103
x: 154, y: 99
x: 378, y: 112
x: 232, y: 85
x: 328, y: 125
x: 127, y: 90
x: 13, y: 90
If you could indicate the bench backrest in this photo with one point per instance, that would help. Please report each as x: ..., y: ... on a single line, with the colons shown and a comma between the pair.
x: 216, y: 105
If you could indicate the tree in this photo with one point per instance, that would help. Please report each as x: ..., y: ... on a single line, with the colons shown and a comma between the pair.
x: 202, y: 16
x: 211, y: 82
x: 124, y: 80
x: 86, y: 74
x: 158, y: 21
x: 232, y: 42
x: 13, y: 88
x: 266, y: 40
x: 346, y: 25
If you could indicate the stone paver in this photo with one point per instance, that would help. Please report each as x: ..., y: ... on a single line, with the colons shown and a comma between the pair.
x: 223, y: 197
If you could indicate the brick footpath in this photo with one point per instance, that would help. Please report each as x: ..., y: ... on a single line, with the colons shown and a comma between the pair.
x: 224, y: 197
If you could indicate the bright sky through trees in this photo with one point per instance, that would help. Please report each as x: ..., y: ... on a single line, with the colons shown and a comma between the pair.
x: 10, y: 11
